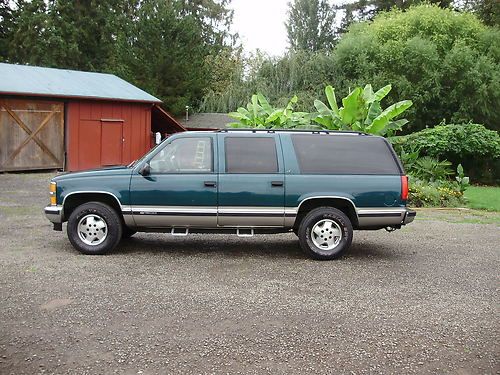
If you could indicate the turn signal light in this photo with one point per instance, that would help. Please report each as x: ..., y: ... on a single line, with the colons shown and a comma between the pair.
x: 53, y: 196
x: 404, y: 188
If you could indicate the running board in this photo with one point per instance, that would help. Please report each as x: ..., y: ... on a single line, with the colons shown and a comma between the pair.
x: 181, y: 234
x: 240, y: 234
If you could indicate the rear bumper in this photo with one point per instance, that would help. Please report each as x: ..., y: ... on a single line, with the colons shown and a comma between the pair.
x: 384, y: 217
x: 409, y: 216
x: 54, y: 214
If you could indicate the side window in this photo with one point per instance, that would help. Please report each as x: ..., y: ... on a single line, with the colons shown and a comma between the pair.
x: 344, y: 154
x: 184, y: 155
x: 251, y: 155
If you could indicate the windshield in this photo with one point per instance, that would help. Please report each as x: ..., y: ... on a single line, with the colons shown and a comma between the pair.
x: 135, y: 162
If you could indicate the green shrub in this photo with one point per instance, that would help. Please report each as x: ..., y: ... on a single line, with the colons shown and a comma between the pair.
x: 446, y: 62
x: 434, y: 194
x: 476, y: 147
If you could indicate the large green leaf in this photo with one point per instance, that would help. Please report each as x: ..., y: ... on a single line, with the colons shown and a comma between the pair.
x: 325, y: 121
x: 396, y: 109
x: 264, y: 103
x: 238, y: 116
x: 378, y: 124
x: 255, y: 106
x: 368, y: 95
x: 332, y: 100
x: 351, y: 107
x: 373, y: 112
x: 382, y: 93
x: 289, y: 108
x: 322, y: 108
x: 274, y: 116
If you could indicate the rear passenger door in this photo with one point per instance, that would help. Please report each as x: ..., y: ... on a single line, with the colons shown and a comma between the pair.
x: 251, y: 180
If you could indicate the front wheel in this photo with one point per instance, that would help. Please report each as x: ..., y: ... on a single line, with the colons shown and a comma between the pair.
x: 94, y: 228
x: 325, y: 233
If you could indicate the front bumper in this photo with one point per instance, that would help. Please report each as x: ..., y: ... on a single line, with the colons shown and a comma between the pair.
x: 54, y: 214
x: 409, y: 216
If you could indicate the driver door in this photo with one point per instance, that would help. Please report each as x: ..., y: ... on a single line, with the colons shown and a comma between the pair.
x: 181, y: 188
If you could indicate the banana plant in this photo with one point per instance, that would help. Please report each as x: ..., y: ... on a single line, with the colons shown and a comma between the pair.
x: 260, y: 114
x: 361, y: 111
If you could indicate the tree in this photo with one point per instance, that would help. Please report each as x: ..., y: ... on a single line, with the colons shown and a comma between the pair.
x: 364, y: 10
x: 160, y: 45
x: 6, y: 21
x: 310, y: 25
x: 446, y: 62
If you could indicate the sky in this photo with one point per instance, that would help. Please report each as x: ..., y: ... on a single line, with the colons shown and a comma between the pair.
x: 261, y: 24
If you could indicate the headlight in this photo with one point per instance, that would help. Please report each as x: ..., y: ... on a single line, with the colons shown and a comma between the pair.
x: 53, y: 190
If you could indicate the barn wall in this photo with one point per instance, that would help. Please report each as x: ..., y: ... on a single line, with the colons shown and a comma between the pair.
x: 106, y: 133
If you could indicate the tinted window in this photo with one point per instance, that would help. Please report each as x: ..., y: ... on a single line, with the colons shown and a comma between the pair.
x: 184, y: 155
x: 251, y: 155
x: 343, y: 154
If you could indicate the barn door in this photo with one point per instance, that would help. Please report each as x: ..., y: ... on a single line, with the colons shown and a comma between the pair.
x: 31, y: 134
x: 111, y: 142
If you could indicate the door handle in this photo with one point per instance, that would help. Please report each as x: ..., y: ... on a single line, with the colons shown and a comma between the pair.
x: 210, y: 183
x: 276, y: 183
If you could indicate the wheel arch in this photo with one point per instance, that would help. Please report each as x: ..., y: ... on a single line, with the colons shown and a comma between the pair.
x: 76, y: 198
x: 343, y: 204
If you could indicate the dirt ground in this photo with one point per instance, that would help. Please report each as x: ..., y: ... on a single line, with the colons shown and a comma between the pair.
x: 422, y: 300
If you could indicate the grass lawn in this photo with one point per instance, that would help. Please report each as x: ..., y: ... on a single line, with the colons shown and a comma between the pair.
x: 483, y: 197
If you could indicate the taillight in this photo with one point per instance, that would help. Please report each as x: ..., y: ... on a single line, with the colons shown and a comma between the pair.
x: 404, y: 188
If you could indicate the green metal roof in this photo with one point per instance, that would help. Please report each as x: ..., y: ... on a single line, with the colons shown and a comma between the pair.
x: 38, y: 81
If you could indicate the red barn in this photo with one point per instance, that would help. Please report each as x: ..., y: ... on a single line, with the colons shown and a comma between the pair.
x: 72, y: 120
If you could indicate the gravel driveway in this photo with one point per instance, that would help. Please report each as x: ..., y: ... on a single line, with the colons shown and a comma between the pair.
x: 423, y: 299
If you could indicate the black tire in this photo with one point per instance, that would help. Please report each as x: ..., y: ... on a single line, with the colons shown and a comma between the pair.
x: 127, y: 232
x: 101, y: 211
x: 316, y: 216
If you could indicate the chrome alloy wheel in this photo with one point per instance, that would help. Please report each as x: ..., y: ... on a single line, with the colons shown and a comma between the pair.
x: 92, y: 230
x: 326, y: 234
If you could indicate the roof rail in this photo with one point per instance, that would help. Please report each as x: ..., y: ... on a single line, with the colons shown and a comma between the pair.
x: 290, y: 131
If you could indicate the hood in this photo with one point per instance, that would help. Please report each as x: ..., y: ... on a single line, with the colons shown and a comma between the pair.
x: 107, y: 171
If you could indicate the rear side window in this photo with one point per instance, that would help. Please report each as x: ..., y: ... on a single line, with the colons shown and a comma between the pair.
x: 344, y: 154
x: 251, y: 155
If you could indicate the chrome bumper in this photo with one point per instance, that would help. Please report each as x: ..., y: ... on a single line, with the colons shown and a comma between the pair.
x: 54, y: 214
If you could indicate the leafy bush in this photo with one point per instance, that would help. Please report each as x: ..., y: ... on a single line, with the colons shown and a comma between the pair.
x: 476, y: 147
x: 434, y: 194
x: 446, y: 62
x: 361, y: 111
x: 260, y: 114
x: 431, y: 169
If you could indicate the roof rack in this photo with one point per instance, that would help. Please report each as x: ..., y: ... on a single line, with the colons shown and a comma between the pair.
x: 291, y: 131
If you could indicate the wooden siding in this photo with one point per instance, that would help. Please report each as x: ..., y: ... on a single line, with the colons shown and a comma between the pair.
x: 31, y: 134
x: 106, y: 133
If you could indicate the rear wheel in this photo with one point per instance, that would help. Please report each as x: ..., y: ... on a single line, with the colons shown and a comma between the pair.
x: 325, y: 233
x: 94, y: 228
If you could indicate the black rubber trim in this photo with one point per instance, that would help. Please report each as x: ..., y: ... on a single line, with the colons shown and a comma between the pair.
x: 142, y: 213
x: 387, y: 214
x: 242, y: 214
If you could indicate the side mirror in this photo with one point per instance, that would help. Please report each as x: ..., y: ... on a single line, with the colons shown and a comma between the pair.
x: 145, y: 170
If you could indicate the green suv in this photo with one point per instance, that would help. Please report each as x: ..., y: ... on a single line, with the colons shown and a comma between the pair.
x: 320, y: 185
